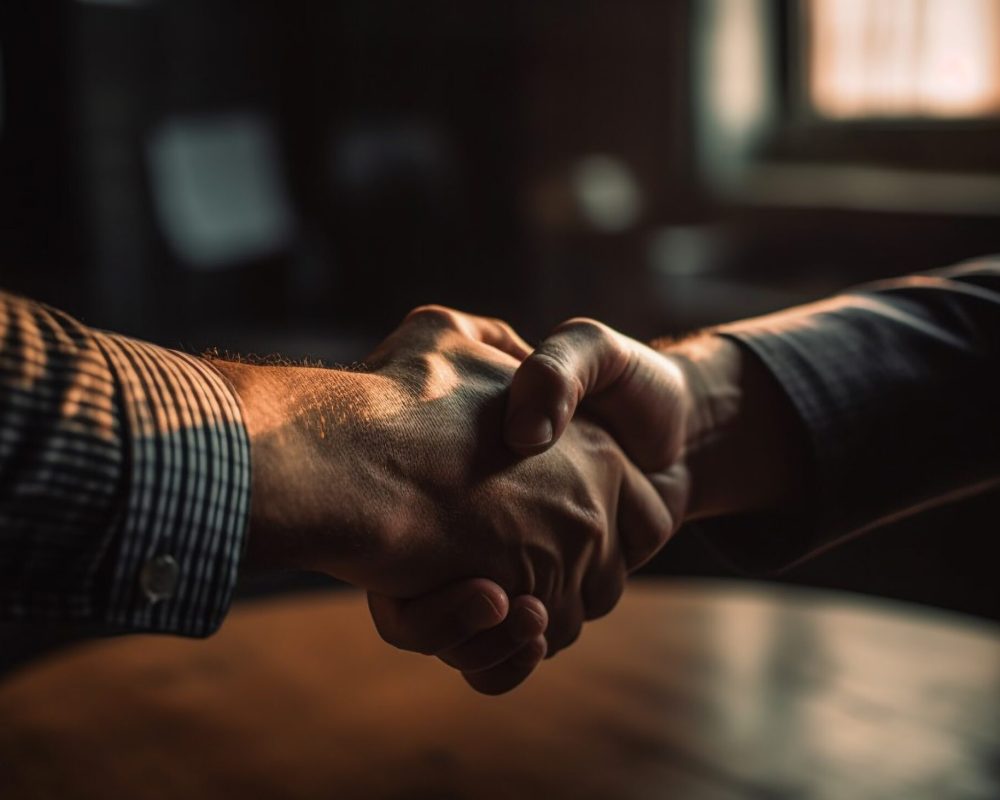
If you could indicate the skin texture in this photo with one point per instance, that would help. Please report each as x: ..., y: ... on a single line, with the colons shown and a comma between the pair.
x: 703, y: 417
x: 397, y: 479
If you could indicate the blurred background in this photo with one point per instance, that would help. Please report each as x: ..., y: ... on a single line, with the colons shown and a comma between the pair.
x: 292, y: 177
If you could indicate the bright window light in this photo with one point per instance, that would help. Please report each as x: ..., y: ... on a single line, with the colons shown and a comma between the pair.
x: 904, y: 58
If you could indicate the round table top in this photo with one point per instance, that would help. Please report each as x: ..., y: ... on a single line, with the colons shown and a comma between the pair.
x: 687, y: 690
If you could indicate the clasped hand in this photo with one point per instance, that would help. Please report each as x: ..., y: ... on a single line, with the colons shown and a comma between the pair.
x: 455, y: 459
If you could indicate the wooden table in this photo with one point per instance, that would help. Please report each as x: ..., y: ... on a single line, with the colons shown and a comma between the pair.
x: 688, y: 690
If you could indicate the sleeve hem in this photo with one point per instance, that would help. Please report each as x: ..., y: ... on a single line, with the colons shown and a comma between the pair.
x: 188, y: 495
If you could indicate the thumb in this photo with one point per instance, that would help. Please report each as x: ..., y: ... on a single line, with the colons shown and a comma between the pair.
x: 580, y: 358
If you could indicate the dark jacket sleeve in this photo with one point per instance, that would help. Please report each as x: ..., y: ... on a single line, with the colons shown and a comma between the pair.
x: 124, y: 479
x: 897, y: 385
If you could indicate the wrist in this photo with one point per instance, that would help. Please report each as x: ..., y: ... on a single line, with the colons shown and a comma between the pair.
x: 307, y: 507
x: 743, y: 449
x: 713, y: 394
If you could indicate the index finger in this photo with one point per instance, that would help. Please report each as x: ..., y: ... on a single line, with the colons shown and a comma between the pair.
x: 494, y: 332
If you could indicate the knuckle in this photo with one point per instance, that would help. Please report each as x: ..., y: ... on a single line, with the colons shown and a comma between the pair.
x: 586, y: 330
x: 497, y: 323
x: 505, y: 329
x: 508, y: 330
x: 592, y: 523
x: 599, y: 344
x: 504, y: 326
x: 434, y: 316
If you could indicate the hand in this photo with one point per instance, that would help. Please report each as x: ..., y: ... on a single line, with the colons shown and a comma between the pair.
x: 397, y: 479
x: 641, y: 396
x: 471, y: 627
x: 702, y: 417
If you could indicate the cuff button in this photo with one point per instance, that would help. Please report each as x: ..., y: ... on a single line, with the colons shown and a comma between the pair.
x: 159, y: 577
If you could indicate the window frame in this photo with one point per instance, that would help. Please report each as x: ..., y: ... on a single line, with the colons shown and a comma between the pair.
x: 958, y: 144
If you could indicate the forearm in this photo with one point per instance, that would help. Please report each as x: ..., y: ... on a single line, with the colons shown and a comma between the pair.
x: 300, y: 428
x: 327, y: 494
x: 894, y: 389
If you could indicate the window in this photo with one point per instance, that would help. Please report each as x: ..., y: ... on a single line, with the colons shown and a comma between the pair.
x: 878, y: 104
x: 903, y: 58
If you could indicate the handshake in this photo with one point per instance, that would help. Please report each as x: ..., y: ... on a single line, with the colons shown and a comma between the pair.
x: 491, y: 498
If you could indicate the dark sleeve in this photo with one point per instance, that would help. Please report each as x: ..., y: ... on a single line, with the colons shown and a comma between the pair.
x: 897, y: 386
x: 124, y: 479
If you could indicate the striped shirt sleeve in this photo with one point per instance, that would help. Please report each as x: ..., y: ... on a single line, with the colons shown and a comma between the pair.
x: 124, y: 479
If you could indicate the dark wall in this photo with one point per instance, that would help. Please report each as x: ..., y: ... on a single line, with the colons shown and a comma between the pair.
x: 430, y: 152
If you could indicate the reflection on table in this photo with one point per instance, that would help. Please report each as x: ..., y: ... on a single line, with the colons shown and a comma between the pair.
x: 687, y: 690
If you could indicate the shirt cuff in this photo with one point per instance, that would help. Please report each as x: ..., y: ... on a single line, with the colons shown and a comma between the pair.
x: 172, y: 567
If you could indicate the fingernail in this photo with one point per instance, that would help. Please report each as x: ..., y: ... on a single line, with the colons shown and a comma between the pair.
x: 527, y: 624
x: 482, y: 612
x: 529, y: 429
